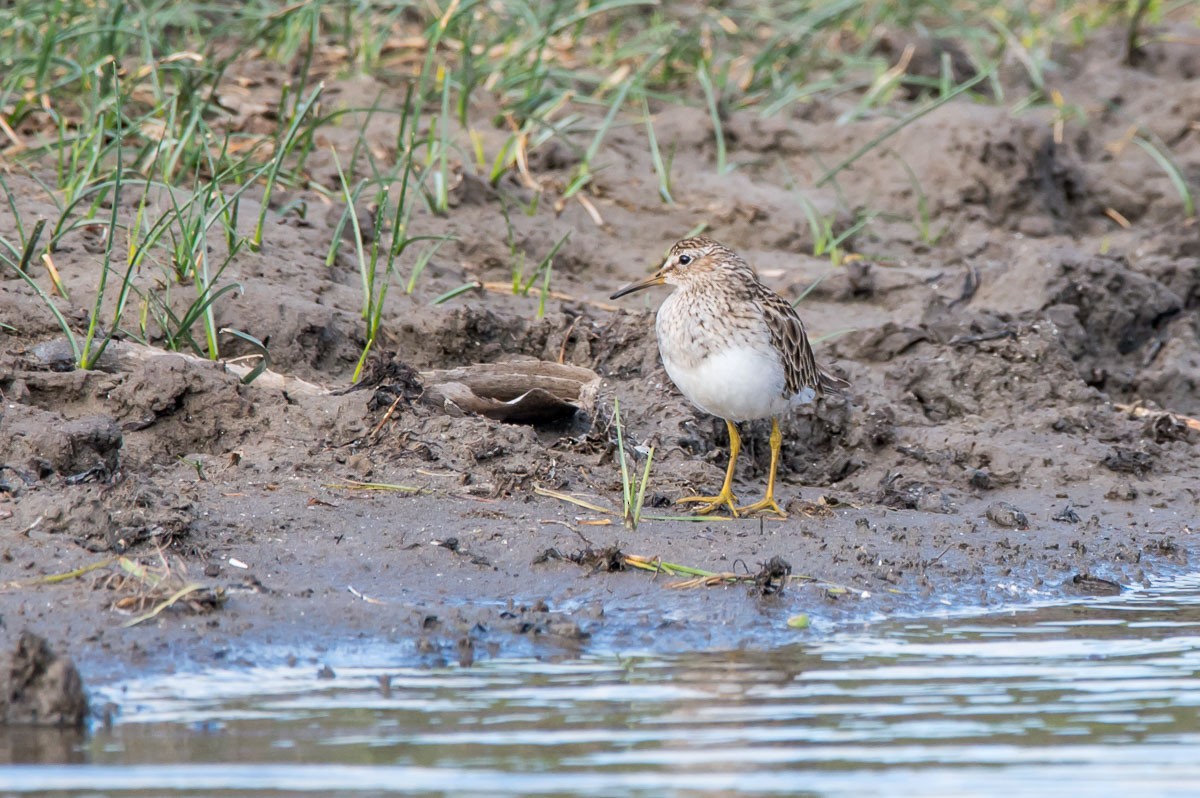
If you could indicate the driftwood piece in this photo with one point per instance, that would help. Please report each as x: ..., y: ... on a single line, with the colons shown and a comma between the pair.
x: 522, y: 392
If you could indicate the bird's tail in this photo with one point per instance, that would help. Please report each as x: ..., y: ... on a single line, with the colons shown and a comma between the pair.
x: 831, y: 385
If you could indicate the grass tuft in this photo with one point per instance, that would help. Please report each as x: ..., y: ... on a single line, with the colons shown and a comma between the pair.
x: 633, y: 494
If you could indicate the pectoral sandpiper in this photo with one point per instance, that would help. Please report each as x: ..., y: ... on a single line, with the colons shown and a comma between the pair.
x: 735, y: 348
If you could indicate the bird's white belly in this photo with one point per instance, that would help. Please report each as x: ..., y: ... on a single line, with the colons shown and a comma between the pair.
x: 738, y: 383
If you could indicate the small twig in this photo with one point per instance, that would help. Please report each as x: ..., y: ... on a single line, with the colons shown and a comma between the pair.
x: 591, y: 210
x: 353, y: 484
x: 391, y: 409
x: 365, y: 598
x: 553, y: 494
x: 562, y: 350
x: 940, y: 556
x: 25, y: 532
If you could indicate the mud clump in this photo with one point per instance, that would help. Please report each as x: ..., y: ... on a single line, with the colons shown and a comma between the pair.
x: 606, y: 560
x: 1007, y: 516
x: 773, y: 576
x: 41, y: 688
x: 110, y: 517
x: 188, y: 406
x: 40, y: 444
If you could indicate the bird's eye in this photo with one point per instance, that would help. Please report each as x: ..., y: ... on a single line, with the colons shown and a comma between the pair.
x: 684, y: 260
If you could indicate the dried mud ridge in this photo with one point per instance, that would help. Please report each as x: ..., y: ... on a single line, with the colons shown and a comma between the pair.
x: 1021, y: 423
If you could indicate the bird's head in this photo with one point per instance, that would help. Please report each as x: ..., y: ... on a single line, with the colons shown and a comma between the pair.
x: 689, y: 261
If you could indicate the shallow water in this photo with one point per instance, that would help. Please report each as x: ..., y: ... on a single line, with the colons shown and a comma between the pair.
x: 1101, y: 695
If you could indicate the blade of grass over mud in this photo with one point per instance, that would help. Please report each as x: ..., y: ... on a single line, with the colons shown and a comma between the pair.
x: 441, y: 177
x: 167, y: 603
x: 374, y: 317
x: 669, y: 568
x: 626, y: 485
x: 544, y: 263
x: 283, y: 148
x: 66, y: 576
x: 641, y: 495
x: 354, y: 484
x: 424, y: 258
x: 662, y: 169
x: 904, y: 122
x: 566, y: 497
x: 473, y: 285
x: 631, y: 503
x: 714, y: 114
x: 923, y: 223
x: 694, y: 519
x: 881, y: 88
x: 350, y: 197
x: 200, y: 309
x: 829, y: 336
x: 21, y: 267
x: 584, y: 174
x: 811, y: 287
x: 14, y: 211
x: 88, y: 357
x: 264, y: 362
x: 1176, y: 177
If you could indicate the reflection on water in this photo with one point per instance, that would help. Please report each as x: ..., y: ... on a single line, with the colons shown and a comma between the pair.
x: 1102, y: 695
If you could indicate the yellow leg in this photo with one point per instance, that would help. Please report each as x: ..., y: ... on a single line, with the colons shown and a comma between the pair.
x: 768, y: 502
x: 725, y: 497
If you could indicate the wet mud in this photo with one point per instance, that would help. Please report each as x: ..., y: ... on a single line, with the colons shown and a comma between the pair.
x: 1024, y: 372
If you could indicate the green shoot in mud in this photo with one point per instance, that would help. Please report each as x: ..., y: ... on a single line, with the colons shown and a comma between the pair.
x: 633, y: 496
x: 921, y: 221
x: 827, y: 238
x: 544, y: 269
x: 522, y: 283
x: 374, y: 290
x: 714, y: 113
x: 661, y: 168
x: 264, y: 356
x: 902, y: 123
x: 1168, y: 165
x: 584, y: 173
x: 375, y: 275
x: 437, y: 152
x: 18, y: 259
x: 454, y: 293
x: 284, y: 143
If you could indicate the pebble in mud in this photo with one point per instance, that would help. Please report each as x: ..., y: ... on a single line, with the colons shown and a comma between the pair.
x: 1007, y: 515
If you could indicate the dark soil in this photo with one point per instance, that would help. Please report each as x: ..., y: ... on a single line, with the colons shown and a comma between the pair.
x: 981, y: 458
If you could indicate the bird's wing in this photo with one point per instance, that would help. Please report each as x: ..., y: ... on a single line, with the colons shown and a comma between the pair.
x: 799, y: 364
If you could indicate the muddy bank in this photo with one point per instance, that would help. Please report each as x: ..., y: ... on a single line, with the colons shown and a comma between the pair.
x: 1023, y: 371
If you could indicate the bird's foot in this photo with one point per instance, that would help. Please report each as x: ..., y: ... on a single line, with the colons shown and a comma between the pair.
x: 768, y: 505
x: 710, y: 504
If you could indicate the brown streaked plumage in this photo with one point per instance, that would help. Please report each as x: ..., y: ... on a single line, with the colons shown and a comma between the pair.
x: 735, y: 348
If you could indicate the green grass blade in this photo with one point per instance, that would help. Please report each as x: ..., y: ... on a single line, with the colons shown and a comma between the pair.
x: 1165, y: 163
x: 904, y: 122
